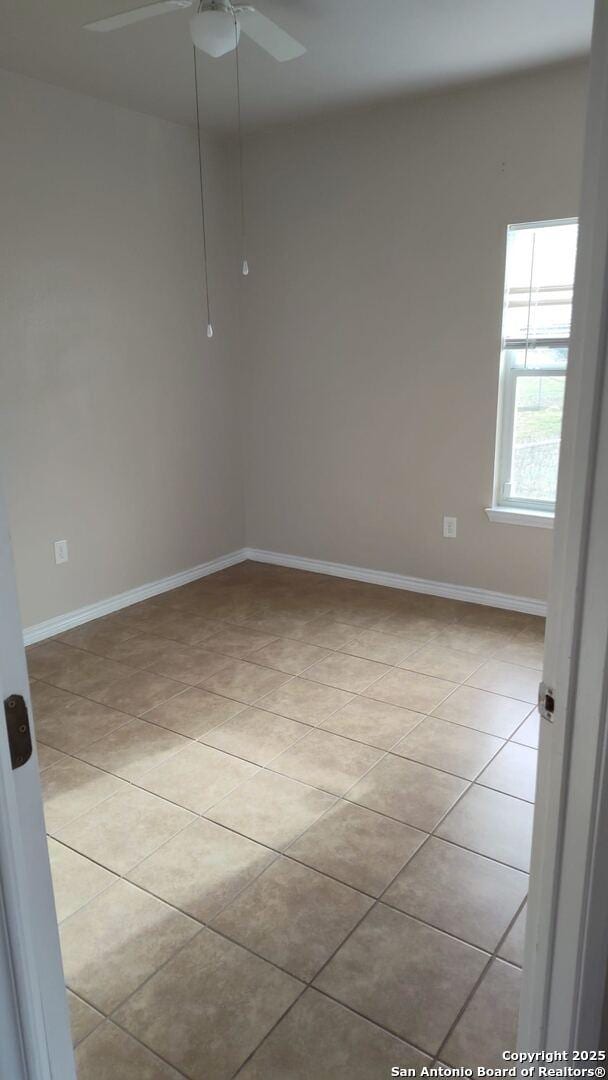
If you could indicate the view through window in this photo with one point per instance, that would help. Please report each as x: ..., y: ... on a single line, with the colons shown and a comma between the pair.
x: 539, y: 281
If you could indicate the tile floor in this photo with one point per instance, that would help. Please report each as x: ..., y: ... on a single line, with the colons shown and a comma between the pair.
x: 289, y: 824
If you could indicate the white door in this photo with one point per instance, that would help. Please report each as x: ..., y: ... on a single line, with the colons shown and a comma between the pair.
x: 565, y: 969
x: 35, y: 1040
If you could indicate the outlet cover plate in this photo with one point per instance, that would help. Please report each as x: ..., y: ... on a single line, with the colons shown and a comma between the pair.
x: 60, y: 548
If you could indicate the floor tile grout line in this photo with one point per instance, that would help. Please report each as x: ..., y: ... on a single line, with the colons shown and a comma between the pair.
x: 311, y: 984
x: 73, y: 753
x: 112, y: 1023
x: 386, y: 752
x: 310, y: 729
x: 389, y: 609
x: 277, y: 853
x: 89, y: 1006
x: 346, y: 690
x: 132, y: 669
x: 477, y: 778
x: 277, y: 640
x: 379, y: 901
x: 436, y: 678
x: 149, y: 668
x: 277, y: 1022
x: 466, y: 685
x: 245, y: 659
x: 524, y: 721
x: 432, y: 833
x: 494, y: 956
x: 206, y: 924
x: 434, y: 639
x: 441, y: 929
x: 123, y: 876
x: 362, y: 1015
x: 132, y: 782
x: 350, y: 1008
x: 203, y: 928
x: 107, y: 798
x: 76, y: 756
x: 423, y: 716
x: 227, y: 794
x: 203, y: 814
x: 289, y: 678
x: 321, y: 726
x: 380, y: 897
x: 285, y: 851
x: 102, y: 704
x: 112, y: 708
x: 446, y: 772
x: 307, y: 984
x: 344, y: 650
x: 241, y: 757
x: 165, y: 798
x: 106, y: 888
x: 256, y: 704
x: 240, y: 1068
x: 277, y: 608
x: 483, y: 731
x: 170, y: 753
x: 77, y: 817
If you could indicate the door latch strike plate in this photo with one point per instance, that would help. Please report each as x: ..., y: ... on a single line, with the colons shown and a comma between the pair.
x: 18, y: 730
x: 546, y: 702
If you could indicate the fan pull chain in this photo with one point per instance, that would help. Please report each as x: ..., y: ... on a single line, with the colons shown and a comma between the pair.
x: 245, y: 264
x: 202, y: 189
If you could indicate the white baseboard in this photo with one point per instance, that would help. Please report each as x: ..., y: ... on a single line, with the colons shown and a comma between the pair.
x: 467, y: 593
x: 62, y: 623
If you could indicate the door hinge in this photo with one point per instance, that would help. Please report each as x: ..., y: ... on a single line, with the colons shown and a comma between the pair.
x: 546, y: 702
x: 18, y: 730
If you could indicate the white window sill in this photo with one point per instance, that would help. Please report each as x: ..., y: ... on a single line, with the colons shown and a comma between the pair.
x: 505, y: 515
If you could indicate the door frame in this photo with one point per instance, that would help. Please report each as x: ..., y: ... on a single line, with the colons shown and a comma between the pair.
x: 36, y: 1040
x: 566, y: 952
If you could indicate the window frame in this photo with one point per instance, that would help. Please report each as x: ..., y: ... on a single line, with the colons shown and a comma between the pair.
x: 509, y: 374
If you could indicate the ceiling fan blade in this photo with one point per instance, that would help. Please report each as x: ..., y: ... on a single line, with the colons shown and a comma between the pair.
x: 269, y: 36
x: 147, y: 11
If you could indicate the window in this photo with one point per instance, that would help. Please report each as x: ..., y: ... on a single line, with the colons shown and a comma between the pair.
x: 539, y: 281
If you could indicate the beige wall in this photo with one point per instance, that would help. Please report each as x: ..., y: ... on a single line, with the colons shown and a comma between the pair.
x: 360, y: 371
x: 120, y: 424
x: 372, y: 324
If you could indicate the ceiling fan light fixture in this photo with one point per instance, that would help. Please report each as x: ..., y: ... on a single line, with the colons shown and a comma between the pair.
x: 213, y: 31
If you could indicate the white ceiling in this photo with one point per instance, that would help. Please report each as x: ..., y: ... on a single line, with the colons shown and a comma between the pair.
x: 358, y: 51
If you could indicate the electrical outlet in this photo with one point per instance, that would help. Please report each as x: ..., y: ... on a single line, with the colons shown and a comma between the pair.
x: 449, y: 527
x: 61, y: 551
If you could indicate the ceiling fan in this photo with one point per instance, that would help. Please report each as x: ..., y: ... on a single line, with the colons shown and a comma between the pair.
x: 216, y: 26
x: 215, y: 29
